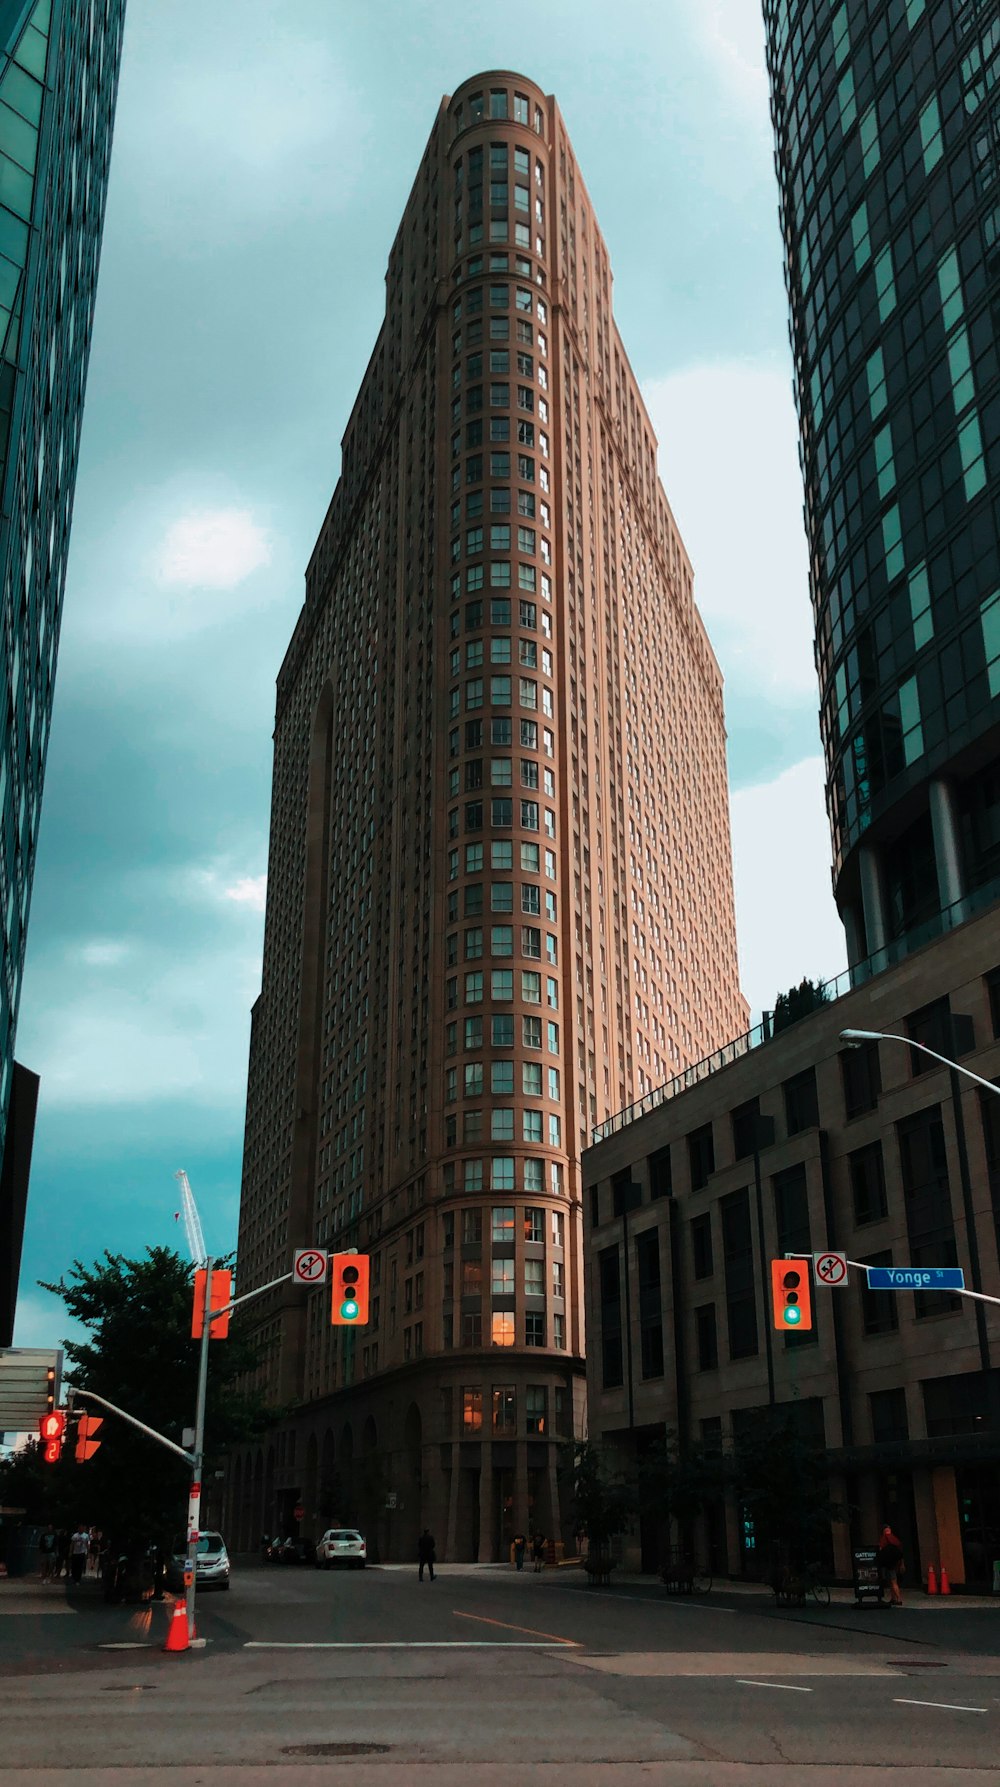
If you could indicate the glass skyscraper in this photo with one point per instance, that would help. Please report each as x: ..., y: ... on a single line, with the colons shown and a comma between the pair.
x: 887, y: 124
x: 59, y: 63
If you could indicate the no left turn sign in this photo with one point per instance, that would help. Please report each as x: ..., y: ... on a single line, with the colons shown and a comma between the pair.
x: 830, y: 1269
x: 309, y: 1265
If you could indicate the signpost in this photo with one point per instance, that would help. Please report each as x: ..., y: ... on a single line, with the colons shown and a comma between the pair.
x: 867, y: 1582
x: 309, y: 1266
x: 830, y: 1269
x: 915, y: 1278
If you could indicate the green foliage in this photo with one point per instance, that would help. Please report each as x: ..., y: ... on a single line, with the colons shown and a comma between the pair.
x: 138, y: 1353
x: 675, y: 1484
x: 782, y: 1479
x: 797, y: 1003
x: 602, y: 1502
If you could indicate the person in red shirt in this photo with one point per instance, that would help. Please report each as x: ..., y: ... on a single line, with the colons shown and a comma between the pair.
x: 890, y: 1563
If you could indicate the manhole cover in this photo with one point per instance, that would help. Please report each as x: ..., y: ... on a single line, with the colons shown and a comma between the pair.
x: 334, y: 1749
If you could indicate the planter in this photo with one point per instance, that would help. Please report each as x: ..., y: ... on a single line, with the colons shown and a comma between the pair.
x: 599, y: 1568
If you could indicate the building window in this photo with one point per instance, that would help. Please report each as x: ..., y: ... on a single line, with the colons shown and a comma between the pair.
x: 647, y: 1254
x: 737, y: 1250
x: 534, y: 1328
x: 888, y: 1413
x: 956, y: 1405
x: 879, y: 1309
x: 609, y: 1287
x: 701, y: 1246
x: 862, y: 1078
x: 801, y: 1107
x: 927, y: 1200
x: 535, y: 1409
x: 472, y: 1409
x: 867, y: 1173
x: 660, y: 1179
x: 502, y: 1328
x: 791, y: 1214
x: 744, y: 1120
x: 707, y: 1337
x: 930, y: 1026
x: 701, y: 1156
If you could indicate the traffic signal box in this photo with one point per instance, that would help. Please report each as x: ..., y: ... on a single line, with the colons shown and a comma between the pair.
x: 791, y: 1296
x: 349, y: 1301
x: 221, y: 1294
x: 52, y: 1426
x: 86, y: 1444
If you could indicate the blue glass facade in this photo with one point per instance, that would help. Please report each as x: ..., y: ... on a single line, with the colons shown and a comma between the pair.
x: 887, y: 127
x: 59, y: 62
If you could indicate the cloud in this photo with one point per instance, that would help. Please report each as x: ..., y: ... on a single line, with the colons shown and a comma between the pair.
x: 786, y: 918
x: 729, y: 462
x: 249, y: 890
x: 733, y: 33
x: 212, y: 549
x: 103, y: 952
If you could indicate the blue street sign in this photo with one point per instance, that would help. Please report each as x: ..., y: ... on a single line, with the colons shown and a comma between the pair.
x: 915, y: 1278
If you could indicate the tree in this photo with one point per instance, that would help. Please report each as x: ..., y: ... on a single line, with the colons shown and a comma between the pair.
x: 601, y: 1501
x: 781, y: 1478
x: 676, y: 1483
x: 139, y: 1354
x: 797, y: 1003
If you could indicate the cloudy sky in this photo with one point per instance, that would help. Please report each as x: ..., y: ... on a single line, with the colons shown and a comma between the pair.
x: 262, y: 158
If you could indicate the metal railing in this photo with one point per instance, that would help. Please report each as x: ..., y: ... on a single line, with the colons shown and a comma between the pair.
x: 948, y: 919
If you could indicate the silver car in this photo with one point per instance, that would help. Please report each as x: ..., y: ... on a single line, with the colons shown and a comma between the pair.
x: 341, y: 1545
x: 211, y: 1568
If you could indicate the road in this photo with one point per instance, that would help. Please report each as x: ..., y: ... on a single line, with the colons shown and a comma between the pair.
x: 487, y: 1677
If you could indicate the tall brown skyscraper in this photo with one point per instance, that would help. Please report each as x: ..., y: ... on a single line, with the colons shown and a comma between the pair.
x: 500, y: 894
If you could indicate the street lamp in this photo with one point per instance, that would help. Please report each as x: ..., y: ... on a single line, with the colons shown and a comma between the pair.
x: 859, y: 1036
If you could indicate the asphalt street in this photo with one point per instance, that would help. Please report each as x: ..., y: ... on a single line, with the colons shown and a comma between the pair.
x: 490, y: 1675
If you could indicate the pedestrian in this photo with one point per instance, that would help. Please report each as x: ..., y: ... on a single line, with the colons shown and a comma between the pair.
x: 47, y: 1552
x: 62, y: 1552
x: 426, y: 1554
x: 79, y: 1546
x: 93, y: 1551
x: 891, y: 1565
x: 520, y: 1547
x: 538, y: 1544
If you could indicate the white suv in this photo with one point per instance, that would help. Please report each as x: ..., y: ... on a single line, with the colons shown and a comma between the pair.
x: 341, y: 1545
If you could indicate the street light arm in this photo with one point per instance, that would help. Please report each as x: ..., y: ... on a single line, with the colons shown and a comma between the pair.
x: 150, y: 1432
x: 889, y: 1036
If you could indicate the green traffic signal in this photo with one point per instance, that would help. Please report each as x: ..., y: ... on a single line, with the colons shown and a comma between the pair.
x: 349, y: 1310
x: 793, y: 1316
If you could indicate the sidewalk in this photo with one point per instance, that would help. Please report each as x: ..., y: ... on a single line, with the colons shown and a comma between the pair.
x: 915, y: 1600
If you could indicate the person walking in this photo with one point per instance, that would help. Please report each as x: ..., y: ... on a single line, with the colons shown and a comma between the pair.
x: 538, y: 1543
x: 520, y: 1547
x: 79, y: 1546
x: 891, y: 1565
x: 62, y: 1552
x: 426, y: 1554
x: 47, y: 1552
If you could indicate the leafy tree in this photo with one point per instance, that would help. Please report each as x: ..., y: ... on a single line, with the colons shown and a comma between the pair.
x: 797, y: 1003
x: 677, y: 1483
x: 602, y: 1502
x: 782, y: 1479
x: 138, y: 1353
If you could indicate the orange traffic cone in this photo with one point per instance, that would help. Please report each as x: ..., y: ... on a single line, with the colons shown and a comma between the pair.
x: 932, y: 1585
x: 945, y: 1584
x: 177, y: 1631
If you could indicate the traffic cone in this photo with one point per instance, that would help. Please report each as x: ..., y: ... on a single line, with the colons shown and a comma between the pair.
x: 932, y: 1584
x: 945, y: 1584
x: 177, y: 1631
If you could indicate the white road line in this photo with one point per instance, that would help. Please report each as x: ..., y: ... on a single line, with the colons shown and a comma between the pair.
x: 786, y: 1687
x: 946, y: 1706
x: 411, y: 1644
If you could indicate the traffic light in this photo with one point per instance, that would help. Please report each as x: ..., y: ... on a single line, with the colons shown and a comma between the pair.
x: 221, y: 1294
x: 86, y: 1445
x: 791, y: 1296
x: 349, y: 1304
x: 53, y: 1426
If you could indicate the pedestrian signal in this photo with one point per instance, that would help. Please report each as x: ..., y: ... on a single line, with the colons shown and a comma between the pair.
x: 791, y: 1296
x: 221, y: 1294
x: 349, y: 1303
x: 53, y: 1426
x: 86, y: 1445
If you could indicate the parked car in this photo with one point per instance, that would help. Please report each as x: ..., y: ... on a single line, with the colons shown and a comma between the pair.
x: 341, y: 1545
x: 211, y: 1563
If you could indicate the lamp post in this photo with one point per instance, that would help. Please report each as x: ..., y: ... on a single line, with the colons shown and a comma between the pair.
x: 858, y: 1036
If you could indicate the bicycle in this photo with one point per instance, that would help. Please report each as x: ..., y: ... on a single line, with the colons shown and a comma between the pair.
x: 794, y: 1585
x: 683, y: 1575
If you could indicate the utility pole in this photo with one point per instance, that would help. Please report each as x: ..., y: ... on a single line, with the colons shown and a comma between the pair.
x: 198, y: 1454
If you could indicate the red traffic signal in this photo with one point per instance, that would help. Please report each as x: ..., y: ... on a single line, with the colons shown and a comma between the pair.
x: 86, y: 1445
x: 349, y: 1300
x: 52, y: 1427
x: 791, y: 1296
x: 221, y: 1294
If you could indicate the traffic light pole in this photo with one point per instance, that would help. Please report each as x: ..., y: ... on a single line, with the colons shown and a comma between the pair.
x: 194, y: 1498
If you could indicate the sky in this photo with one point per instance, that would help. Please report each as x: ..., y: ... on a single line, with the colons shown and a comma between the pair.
x: 262, y: 159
